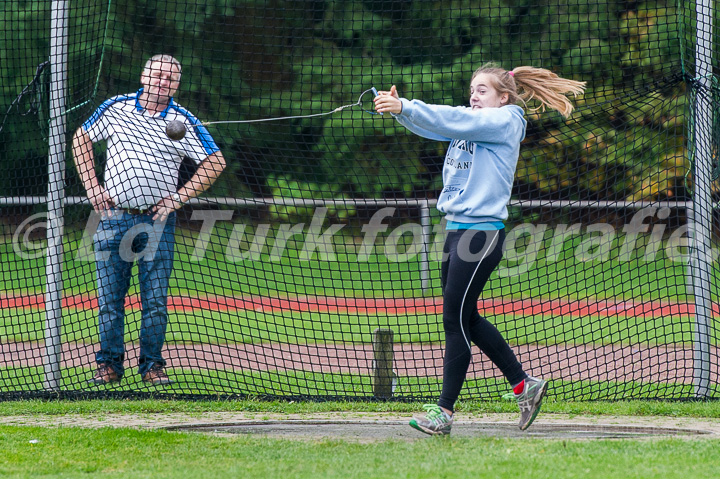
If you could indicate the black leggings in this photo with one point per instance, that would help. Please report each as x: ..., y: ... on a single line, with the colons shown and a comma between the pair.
x: 470, y: 256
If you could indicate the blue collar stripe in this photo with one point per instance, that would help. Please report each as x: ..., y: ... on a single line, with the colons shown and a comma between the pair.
x: 101, y: 109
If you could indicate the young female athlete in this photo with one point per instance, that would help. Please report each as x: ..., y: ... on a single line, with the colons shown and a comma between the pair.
x: 477, y: 178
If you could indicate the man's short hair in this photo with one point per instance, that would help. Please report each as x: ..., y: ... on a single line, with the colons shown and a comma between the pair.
x: 163, y: 58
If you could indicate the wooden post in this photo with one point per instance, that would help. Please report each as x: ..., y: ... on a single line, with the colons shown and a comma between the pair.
x: 383, y: 375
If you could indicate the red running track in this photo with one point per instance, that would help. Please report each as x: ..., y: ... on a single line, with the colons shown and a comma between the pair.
x: 406, y: 306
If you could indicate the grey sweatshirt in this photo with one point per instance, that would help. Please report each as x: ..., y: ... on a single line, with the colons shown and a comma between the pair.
x: 481, y: 160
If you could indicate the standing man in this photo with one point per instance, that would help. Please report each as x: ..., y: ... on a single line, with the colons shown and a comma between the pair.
x: 137, y: 201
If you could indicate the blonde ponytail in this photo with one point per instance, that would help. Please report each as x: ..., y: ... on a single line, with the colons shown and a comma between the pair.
x: 523, y: 84
x: 547, y: 88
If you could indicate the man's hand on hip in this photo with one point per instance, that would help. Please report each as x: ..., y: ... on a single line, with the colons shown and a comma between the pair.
x: 164, y: 207
x: 100, y: 199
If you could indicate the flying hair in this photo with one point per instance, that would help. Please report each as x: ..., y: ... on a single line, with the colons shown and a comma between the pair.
x: 525, y: 83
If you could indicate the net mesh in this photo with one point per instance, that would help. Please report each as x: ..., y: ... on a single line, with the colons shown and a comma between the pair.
x: 311, y: 267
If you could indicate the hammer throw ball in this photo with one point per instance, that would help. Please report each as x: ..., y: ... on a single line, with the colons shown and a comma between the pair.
x: 175, y: 130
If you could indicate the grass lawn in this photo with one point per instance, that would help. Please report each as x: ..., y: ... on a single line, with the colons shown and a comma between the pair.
x: 213, y: 327
x: 303, y: 385
x: 550, y: 275
x: 121, y: 453
x: 31, y: 451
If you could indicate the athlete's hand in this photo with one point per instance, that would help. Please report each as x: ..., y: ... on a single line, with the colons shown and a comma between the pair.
x: 388, y: 101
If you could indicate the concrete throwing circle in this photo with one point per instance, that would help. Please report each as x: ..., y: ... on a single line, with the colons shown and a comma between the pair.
x: 387, y: 430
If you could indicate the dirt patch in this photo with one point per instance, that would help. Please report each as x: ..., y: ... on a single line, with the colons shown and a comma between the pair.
x: 365, y: 427
x: 368, y: 431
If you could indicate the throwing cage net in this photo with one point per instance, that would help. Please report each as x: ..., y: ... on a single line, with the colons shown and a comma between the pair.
x: 311, y: 267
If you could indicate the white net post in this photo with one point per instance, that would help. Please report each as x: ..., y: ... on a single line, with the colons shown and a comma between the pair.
x: 55, y: 196
x: 700, y: 212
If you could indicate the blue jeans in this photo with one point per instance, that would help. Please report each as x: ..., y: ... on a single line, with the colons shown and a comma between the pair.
x: 121, y: 240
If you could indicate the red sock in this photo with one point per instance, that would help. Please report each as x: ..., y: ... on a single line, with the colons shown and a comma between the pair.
x: 519, y: 388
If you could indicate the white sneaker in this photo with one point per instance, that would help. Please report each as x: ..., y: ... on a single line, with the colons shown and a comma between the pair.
x: 436, y: 422
x: 530, y: 400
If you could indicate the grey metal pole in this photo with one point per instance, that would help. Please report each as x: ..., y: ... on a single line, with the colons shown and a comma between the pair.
x: 56, y: 194
x: 700, y: 212
x: 426, y: 242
